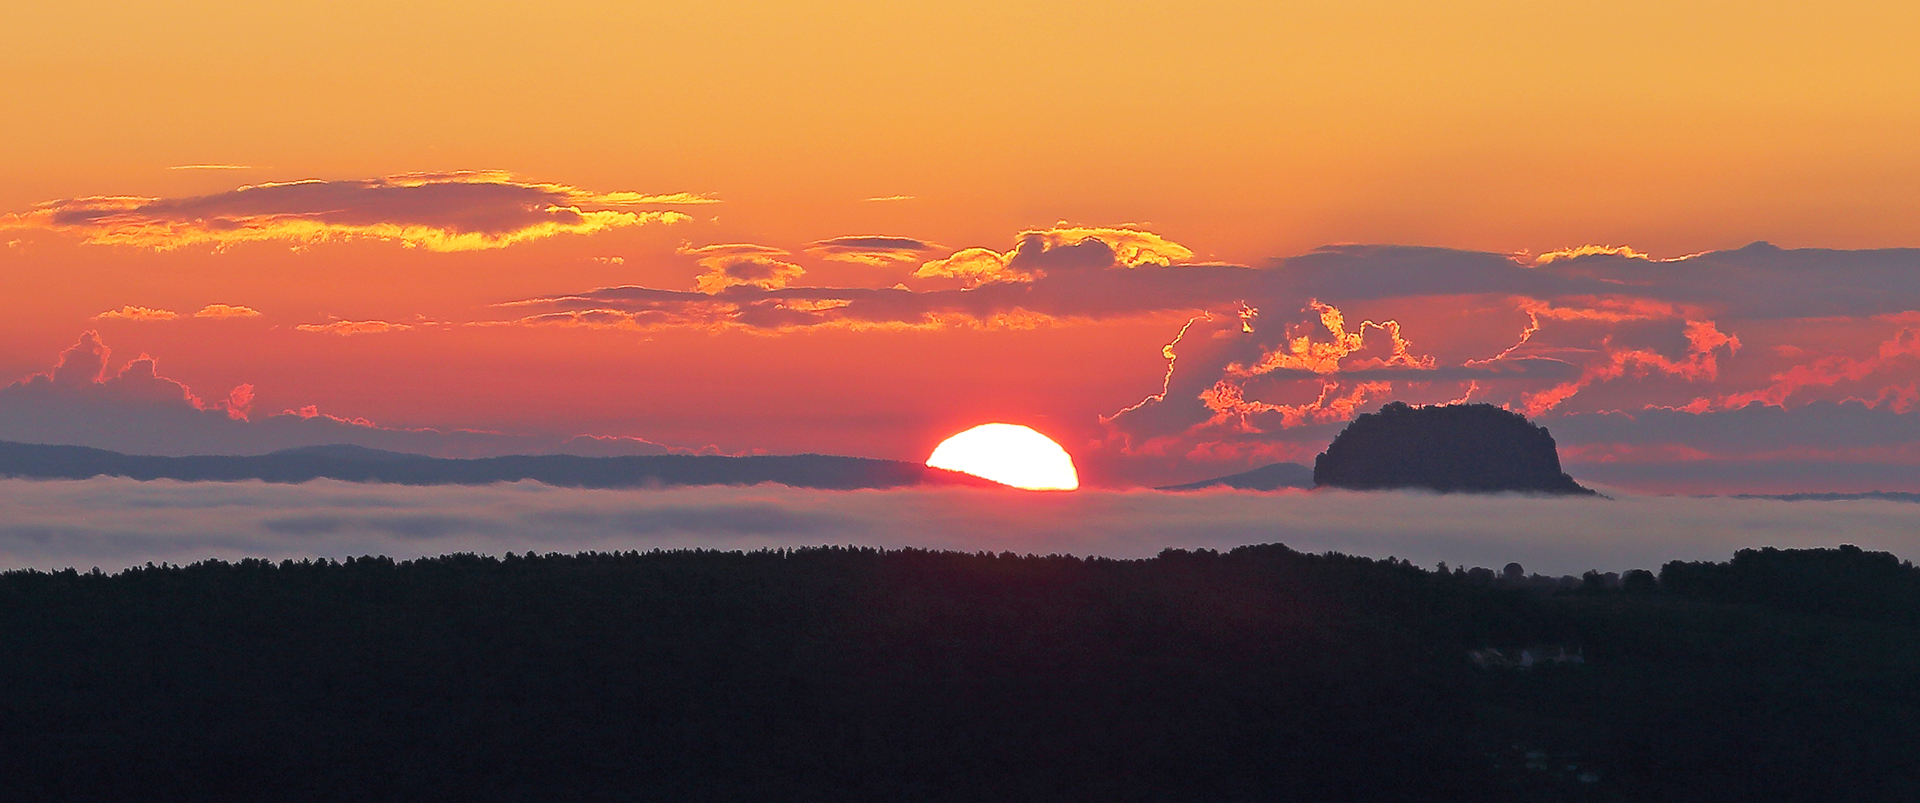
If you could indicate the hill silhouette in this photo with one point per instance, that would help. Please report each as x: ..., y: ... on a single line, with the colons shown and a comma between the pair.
x: 360, y: 464
x: 1265, y: 478
x: 1475, y: 448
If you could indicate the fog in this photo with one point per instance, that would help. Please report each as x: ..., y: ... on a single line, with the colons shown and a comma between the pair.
x: 113, y: 523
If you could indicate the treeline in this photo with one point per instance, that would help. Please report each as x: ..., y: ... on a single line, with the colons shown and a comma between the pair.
x: 861, y: 674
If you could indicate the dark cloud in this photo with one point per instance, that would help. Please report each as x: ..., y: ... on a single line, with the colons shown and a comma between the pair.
x: 1764, y: 281
x: 1347, y: 273
x: 876, y: 250
x: 452, y: 211
x: 894, y: 243
x: 1757, y: 281
x: 1756, y: 429
x: 1776, y: 475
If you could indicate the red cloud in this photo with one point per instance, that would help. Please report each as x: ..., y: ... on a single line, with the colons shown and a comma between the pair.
x: 137, y: 410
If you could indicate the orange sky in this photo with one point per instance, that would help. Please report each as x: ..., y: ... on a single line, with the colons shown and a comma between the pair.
x: 1254, y: 129
x: 1243, y: 132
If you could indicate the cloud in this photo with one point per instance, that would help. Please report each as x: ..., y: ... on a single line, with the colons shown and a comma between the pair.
x: 1850, y: 428
x: 1220, y: 365
x: 346, y: 328
x: 1265, y: 363
x: 83, y: 401
x: 1762, y: 281
x: 114, y: 523
x: 226, y: 311
x: 1833, y: 369
x: 873, y: 250
x: 973, y: 267
x: 1757, y: 281
x: 1048, y: 276
x: 761, y: 272
x: 1063, y: 247
x: 887, y: 199
x: 132, y: 313
x: 149, y: 314
x: 741, y: 265
x: 451, y: 211
x: 1587, y: 251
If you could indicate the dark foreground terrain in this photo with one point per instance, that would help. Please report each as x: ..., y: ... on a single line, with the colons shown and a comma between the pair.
x: 853, y: 674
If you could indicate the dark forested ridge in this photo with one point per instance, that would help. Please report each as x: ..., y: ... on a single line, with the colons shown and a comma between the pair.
x: 856, y: 674
x: 358, y: 464
x: 1477, y: 448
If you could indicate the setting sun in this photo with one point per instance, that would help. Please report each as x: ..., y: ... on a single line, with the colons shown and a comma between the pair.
x: 1009, y: 454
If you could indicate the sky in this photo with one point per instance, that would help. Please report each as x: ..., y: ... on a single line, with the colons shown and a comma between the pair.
x: 1181, y: 239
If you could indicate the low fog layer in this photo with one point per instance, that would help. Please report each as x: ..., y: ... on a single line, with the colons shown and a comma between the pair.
x: 113, y: 523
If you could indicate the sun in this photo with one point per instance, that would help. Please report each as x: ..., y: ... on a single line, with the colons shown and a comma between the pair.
x: 1008, y: 454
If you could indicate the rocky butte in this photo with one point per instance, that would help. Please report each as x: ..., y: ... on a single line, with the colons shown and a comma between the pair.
x: 1471, y: 448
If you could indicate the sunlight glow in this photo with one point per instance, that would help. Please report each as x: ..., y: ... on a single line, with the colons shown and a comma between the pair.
x: 1009, y: 454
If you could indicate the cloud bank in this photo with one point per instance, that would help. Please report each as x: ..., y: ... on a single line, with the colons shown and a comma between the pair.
x: 114, y: 523
x: 1265, y: 363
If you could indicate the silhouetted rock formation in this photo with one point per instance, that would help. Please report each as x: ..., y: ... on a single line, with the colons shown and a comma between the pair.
x: 359, y: 464
x: 1264, y: 478
x: 1476, y: 448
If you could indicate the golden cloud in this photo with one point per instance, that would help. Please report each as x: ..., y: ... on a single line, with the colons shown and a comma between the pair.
x: 345, y: 328
x: 1131, y: 247
x: 973, y: 267
x: 226, y: 311
x: 741, y: 265
x: 1063, y: 247
x: 132, y: 313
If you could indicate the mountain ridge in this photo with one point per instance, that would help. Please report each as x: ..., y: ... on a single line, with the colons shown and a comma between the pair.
x: 361, y: 464
x: 1271, y: 477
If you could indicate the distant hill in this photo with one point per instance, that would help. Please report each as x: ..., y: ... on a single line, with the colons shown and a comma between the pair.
x: 361, y: 464
x: 1884, y: 496
x: 1475, y: 448
x: 1264, y: 478
x: 348, y: 451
